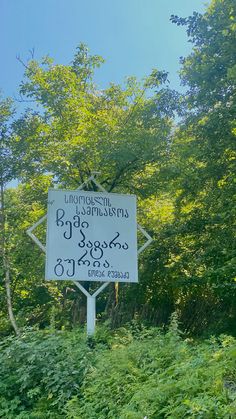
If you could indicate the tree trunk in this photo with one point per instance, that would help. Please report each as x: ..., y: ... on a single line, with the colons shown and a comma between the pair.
x: 9, y: 300
x: 113, y: 298
x: 6, y: 267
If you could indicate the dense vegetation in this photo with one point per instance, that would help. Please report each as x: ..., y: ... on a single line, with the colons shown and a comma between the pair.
x: 130, y: 374
x: 176, y: 152
x: 183, y: 176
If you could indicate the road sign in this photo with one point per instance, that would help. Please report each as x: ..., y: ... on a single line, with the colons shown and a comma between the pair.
x: 116, y: 254
x: 91, y: 236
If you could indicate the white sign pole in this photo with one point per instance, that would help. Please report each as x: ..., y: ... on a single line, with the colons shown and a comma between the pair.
x: 64, y: 266
x: 91, y: 306
x: 91, y: 315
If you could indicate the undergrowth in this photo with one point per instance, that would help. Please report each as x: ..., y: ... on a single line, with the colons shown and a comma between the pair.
x: 131, y: 373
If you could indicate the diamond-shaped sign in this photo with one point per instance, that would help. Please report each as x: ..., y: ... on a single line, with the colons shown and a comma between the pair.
x: 91, y: 299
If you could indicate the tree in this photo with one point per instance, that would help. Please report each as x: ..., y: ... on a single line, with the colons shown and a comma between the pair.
x: 184, y: 176
x: 205, y: 153
x: 7, y: 174
x: 122, y: 132
x: 82, y: 129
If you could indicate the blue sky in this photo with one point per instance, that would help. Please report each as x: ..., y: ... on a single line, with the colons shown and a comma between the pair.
x: 133, y: 36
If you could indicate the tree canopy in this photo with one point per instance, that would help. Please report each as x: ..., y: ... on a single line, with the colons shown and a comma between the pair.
x: 181, y: 168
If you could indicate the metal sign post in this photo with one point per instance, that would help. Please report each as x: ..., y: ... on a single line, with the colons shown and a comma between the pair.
x: 91, y: 306
x: 91, y: 236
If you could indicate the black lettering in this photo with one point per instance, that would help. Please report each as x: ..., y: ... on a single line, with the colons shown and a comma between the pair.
x: 96, y: 252
x: 97, y: 200
x: 81, y: 260
x: 76, y: 199
x: 107, y: 202
x: 69, y: 235
x: 59, y: 215
x: 96, y: 263
x: 95, y: 211
x: 106, y: 264
x: 126, y: 214
x: 71, y: 261
x: 85, y: 224
x: 120, y: 212
x: 76, y: 222
x: 59, y: 268
x: 112, y: 242
x: 82, y: 198
x: 82, y: 242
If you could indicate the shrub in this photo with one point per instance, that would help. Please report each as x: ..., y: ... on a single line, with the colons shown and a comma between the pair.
x: 125, y: 374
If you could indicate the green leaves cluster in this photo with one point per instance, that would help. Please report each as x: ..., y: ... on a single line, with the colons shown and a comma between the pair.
x: 40, y: 372
x: 82, y: 129
x: 131, y: 373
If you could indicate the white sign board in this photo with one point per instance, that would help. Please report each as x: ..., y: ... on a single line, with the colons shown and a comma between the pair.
x: 91, y: 236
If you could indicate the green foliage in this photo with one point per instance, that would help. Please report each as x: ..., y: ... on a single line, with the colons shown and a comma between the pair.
x: 6, y: 158
x: 131, y: 373
x: 40, y: 372
x: 81, y: 129
x: 183, y: 175
x: 202, y: 252
x: 78, y: 130
x: 160, y: 376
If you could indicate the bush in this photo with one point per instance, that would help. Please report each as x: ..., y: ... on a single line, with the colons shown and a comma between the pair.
x: 40, y: 371
x: 159, y: 376
x: 125, y: 374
